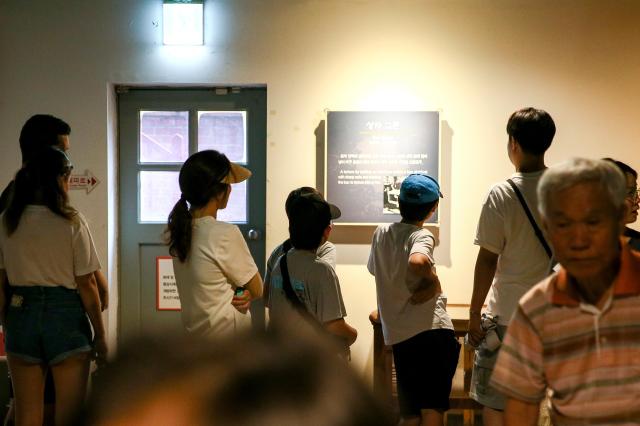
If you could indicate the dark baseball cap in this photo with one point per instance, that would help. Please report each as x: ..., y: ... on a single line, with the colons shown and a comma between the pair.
x: 306, y: 191
x: 310, y: 208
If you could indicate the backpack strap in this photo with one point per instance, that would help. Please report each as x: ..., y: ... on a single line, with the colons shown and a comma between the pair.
x: 534, y: 225
x: 299, y: 306
x: 290, y: 293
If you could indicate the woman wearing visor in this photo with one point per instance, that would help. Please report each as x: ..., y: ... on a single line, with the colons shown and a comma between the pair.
x: 215, y: 273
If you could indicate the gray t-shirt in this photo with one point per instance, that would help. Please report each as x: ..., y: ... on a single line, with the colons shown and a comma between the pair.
x: 315, y: 283
x: 326, y: 252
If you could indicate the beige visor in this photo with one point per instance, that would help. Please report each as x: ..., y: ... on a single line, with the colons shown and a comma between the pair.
x: 237, y: 174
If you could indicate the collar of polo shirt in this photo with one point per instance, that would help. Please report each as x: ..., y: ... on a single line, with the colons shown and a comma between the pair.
x: 626, y: 282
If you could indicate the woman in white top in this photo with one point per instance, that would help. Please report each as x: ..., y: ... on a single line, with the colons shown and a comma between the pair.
x: 47, y: 290
x: 211, y: 260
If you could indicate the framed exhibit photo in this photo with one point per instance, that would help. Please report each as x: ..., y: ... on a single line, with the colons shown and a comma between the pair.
x: 367, y: 156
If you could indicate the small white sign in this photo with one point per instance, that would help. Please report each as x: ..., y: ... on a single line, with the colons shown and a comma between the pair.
x: 87, y: 181
x: 166, y: 288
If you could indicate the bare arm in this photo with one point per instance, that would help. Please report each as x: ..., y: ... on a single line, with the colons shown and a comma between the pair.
x: 520, y: 413
x: 420, y: 265
x: 103, y: 289
x: 254, y: 291
x: 340, y: 328
x: 255, y: 286
x: 88, y: 290
x: 485, y: 270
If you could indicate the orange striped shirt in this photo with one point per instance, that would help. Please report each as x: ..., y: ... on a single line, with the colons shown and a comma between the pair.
x: 590, y: 359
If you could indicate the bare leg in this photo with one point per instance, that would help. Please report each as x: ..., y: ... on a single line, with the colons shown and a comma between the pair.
x: 432, y: 418
x: 491, y: 417
x: 70, y: 377
x: 28, y: 388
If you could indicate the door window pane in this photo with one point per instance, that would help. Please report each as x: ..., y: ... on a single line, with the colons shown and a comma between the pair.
x: 164, y: 136
x: 159, y: 192
x: 224, y: 131
x: 236, y: 210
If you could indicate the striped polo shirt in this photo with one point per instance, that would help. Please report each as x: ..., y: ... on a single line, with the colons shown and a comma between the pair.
x: 588, y: 358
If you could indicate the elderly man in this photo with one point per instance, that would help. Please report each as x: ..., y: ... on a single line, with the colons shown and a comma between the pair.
x: 577, y: 333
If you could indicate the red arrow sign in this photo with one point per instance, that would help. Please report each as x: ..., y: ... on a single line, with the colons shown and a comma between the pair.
x: 87, y: 181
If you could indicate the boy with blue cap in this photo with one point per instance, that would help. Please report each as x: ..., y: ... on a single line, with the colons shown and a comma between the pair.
x: 412, y: 307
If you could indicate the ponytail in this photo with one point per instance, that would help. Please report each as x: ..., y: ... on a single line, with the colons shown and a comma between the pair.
x: 179, y: 230
x: 202, y: 177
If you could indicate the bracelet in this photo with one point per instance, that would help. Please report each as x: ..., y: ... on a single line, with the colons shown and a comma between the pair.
x: 472, y: 312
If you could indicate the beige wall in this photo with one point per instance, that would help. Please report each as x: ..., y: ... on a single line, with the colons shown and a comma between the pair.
x: 476, y: 61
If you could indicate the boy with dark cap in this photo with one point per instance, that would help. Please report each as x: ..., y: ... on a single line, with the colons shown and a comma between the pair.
x: 301, y: 283
x: 412, y: 307
x: 326, y: 251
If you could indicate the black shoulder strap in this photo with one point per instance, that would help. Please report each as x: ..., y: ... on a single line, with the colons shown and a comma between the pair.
x: 288, y: 289
x: 536, y: 229
x: 300, y: 306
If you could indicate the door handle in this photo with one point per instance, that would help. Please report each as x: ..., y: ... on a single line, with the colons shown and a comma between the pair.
x: 253, y: 234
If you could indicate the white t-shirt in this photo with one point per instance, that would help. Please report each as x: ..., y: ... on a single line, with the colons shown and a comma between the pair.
x: 389, y: 263
x: 47, y: 250
x: 504, y: 229
x: 218, y: 262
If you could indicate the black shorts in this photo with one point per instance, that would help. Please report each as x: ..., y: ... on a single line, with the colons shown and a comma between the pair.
x: 425, y: 365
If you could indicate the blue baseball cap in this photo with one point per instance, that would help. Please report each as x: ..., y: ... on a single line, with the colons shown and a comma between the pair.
x: 419, y: 189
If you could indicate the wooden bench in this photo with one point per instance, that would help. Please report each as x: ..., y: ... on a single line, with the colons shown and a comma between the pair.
x: 384, y: 379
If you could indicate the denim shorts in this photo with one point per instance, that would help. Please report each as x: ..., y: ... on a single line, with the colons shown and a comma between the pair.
x: 46, y: 325
x: 484, y: 362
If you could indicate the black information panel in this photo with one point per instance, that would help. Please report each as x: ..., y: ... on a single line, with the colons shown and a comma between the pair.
x: 368, y: 154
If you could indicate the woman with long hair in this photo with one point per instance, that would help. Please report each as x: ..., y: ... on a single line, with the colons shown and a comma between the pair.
x: 47, y: 290
x: 211, y: 260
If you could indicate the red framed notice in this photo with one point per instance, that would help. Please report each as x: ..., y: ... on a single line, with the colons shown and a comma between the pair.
x: 167, y: 298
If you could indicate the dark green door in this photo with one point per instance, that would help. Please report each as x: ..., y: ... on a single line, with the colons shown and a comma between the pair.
x: 158, y: 130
